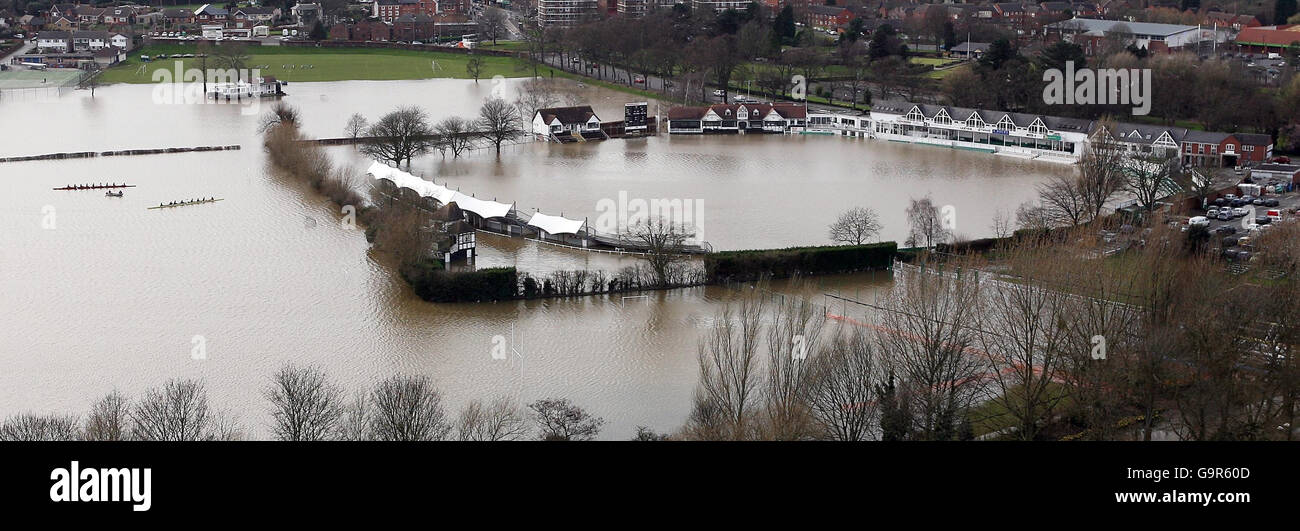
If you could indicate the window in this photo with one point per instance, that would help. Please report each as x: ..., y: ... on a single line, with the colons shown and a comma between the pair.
x: 942, y: 118
x: 915, y: 115
x: 1037, y: 127
x: 1006, y: 124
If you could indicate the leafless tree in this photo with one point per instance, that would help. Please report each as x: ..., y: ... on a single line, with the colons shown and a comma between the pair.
x: 306, y: 406
x: 1100, y: 172
x: 794, y: 332
x: 178, y: 411
x: 561, y: 420
x: 1063, y: 199
x: 842, y: 376
x: 32, y: 427
x: 109, y: 419
x: 408, y: 408
x: 1033, y: 217
x: 502, y: 420
x: 454, y: 134
x: 856, y: 226
x: 355, y: 423
x: 664, y: 243
x: 1027, y: 347
x: 499, y: 122
x: 356, y: 125
x: 729, y: 372
x: 926, y: 224
x: 535, y: 94
x: 928, y: 328
x: 1150, y: 178
x: 474, y: 67
x: 232, y: 56
x: 1001, y: 224
x: 492, y: 23
x: 399, y: 136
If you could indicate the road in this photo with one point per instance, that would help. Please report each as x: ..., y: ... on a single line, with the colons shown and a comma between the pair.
x: 27, y: 46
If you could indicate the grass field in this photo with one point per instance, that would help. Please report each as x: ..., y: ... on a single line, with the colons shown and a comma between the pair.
x: 932, y: 61
x: 325, y: 64
x: 507, y: 46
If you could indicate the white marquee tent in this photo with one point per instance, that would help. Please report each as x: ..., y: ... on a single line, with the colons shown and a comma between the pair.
x: 484, y: 208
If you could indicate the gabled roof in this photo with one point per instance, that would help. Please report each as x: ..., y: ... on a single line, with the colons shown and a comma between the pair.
x: 687, y: 113
x: 568, y: 115
x: 1254, y: 139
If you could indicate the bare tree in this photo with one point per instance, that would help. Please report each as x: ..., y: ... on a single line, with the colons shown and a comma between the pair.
x: 109, y: 419
x: 535, y: 94
x: 492, y: 23
x: 306, y: 406
x: 499, y: 122
x: 408, y: 408
x: 474, y: 67
x: 856, y: 226
x: 926, y: 225
x: 355, y: 423
x: 232, y: 56
x: 399, y: 136
x: 1028, y: 348
x: 454, y: 134
x: 356, y: 125
x: 1064, y: 200
x: 1100, y: 172
x: 1150, y: 178
x: 500, y: 421
x: 729, y: 372
x: 664, y: 243
x: 1033, y: 217
x: 561, y: 420
x: 32, y: 427
x: 176, y: 412
x: 928, y: 326
x: 842, y: 377
x: 794, y: 332
x: 1001, y: 224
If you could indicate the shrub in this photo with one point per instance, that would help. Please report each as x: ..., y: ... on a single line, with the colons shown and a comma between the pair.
x: 434, y: 284
x: 781, y: 263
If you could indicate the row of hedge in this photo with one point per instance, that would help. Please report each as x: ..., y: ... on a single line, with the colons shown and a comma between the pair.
x: 434, y: 284
x: 750, y: 265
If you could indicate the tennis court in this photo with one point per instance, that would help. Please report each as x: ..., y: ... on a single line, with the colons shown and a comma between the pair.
x: 23, y: 78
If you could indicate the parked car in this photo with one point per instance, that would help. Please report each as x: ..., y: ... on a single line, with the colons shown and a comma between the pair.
x: 1194, y: 221
x: 1270, y: 202
x: 1219, y: 201
x: 576, y: 60
x: 639, y: 79
x: 1230, y: 241
x: 1226, y: 229
x: 1212, y: 212
x: 1224, y: 215
x: 1263, y: 220
x: 1238, y: 212
x: 720, y: 93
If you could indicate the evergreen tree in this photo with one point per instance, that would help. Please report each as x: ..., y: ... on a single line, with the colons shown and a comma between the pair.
x: 783, y: 27
x: 1282, y: 10
x: 895, y: 420
x: 318, y: 32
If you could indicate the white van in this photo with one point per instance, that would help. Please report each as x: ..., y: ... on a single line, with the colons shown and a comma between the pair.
x: 1201, y: 221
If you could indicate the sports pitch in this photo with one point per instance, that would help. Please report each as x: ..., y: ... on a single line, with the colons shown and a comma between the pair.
x: 24, y: 79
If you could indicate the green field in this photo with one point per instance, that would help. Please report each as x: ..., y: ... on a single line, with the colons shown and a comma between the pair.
x: 507, y: 46
x: 932, y: 61
x: 22, y: 78
x: 325, y: 64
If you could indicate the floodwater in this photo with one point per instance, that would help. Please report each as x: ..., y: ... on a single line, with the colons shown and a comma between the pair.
x: 101, y: 293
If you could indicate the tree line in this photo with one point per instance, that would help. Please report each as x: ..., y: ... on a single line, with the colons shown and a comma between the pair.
x: 305, y: 405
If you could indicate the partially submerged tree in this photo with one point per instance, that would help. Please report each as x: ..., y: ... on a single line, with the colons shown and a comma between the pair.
x: 356, y: 125
x: 664, y: 243
x: 455, y: 134
x: 926, y: 225
x: 856, y: 226
x: 399, y: 136
x: 499, y: 122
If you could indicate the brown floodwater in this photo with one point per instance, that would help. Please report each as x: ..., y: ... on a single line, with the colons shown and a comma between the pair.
x: 102, y: 293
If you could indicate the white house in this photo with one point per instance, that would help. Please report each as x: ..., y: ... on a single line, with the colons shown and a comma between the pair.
x: 567, y: 123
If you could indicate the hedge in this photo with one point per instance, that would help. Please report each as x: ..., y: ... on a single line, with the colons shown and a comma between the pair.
x: 434, y: 284
x: 781, y: 263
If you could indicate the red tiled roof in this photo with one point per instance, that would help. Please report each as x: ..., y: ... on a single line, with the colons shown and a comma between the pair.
x: 1279, y: 35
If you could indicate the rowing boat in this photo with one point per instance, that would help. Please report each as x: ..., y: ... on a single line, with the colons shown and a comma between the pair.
x: 113, y: 194
x: 187, y: 203
x: 95, y: 186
